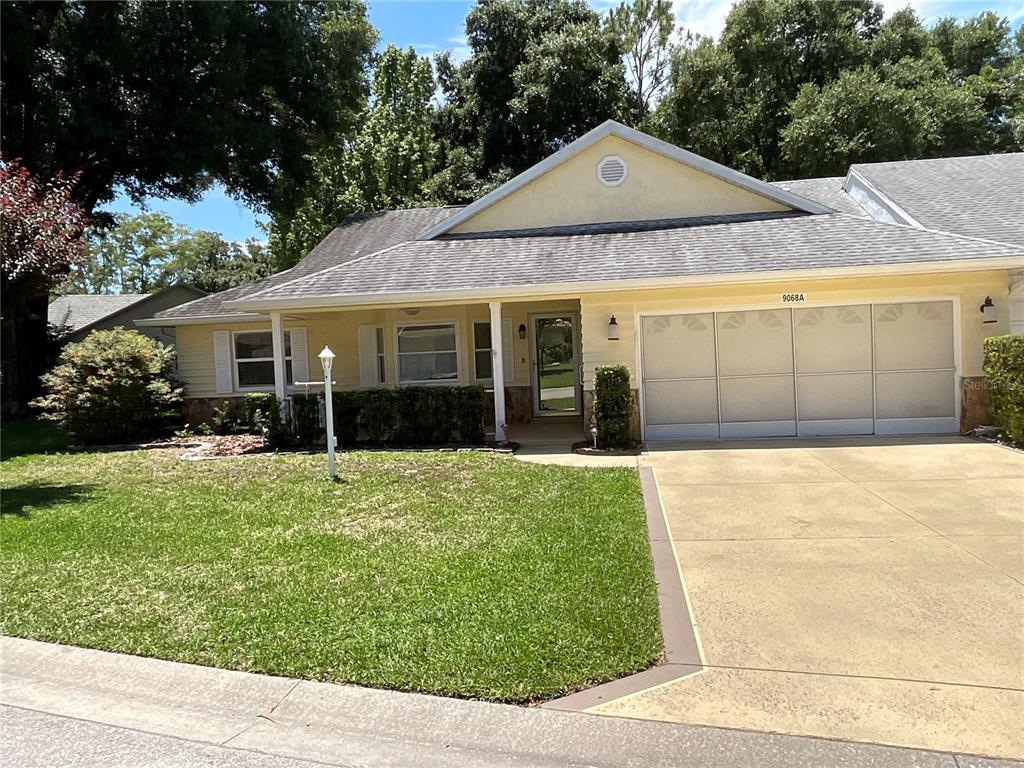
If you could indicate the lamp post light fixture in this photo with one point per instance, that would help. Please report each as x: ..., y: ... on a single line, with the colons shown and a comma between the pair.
x: 593, y: 434
x: 327, y: 361
x: 988, y: 311
x: 613, y: 329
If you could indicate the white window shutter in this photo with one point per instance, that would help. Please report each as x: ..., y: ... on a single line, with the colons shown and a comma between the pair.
x: 508, y: 353
x: 222, y: 360
x: 368, y: 356
x: 300, y: 355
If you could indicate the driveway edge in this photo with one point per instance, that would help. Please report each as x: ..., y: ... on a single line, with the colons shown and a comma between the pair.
x: 682, y: 651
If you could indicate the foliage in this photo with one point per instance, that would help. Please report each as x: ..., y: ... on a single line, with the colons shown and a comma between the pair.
x: 385, y: 166
x: 147, y: 252
x: 445, y: 573
x: 1004, y: 377
x: 113, y: 386
x: 257, y: 413
x: 406, y: 416
x: 613, y: 407
x: 643, y: 29
x: 162, y: 98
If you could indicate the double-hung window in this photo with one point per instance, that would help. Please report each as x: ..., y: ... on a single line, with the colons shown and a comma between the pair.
x: 428, y: 354
x: 482, y: 350
x: 254, y: 359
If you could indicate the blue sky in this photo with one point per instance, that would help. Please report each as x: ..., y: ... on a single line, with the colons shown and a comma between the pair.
x: 431, y: 26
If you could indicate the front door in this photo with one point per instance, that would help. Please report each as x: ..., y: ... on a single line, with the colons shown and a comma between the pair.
x: 556, y: 381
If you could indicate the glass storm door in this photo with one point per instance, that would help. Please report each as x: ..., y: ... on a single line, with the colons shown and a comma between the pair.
x: 556, y: 365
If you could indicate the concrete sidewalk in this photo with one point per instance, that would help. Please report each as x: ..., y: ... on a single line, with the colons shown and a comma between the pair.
x: 77, y: 707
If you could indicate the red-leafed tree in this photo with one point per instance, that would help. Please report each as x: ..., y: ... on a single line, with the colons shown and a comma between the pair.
x: 40, y: 244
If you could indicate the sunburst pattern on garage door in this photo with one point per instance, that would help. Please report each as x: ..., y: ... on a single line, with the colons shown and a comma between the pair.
x: 838, y: 370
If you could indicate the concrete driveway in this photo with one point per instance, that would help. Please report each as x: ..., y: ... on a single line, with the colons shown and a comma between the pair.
x: 861, y: 589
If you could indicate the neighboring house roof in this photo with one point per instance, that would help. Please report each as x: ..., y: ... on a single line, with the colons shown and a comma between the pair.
x: 612, y: 128
x: 827, y: 191
x: 78, y: 310
x: 454, y: 267
x: 356, y: 236
x: 980, y: 196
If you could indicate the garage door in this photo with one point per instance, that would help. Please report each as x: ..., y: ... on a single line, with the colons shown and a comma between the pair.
x: 842, y: 370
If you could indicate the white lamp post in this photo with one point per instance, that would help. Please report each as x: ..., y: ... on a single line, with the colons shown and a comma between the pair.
x: 327, y: 361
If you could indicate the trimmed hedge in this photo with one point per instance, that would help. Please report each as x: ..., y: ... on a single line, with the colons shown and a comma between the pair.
x: 613, y: 407
x: 258, y: 413
x: 1004, y: 377
x: 403, y: 417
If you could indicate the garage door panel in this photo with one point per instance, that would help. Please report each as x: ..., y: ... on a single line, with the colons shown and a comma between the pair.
x: 835, y: 396
x: 758, y: 398
x: 915, y: 395
x: 755, y: 342
x: 913, y: 336
x: 833, y: 339
x: 681, y: 402
x: 679, y: 346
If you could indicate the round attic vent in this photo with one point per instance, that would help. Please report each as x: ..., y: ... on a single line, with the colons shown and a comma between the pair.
x: 612, y: 170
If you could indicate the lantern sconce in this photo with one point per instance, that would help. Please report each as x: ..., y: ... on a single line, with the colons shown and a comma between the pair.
x: 988, y: 311
x: 522, y: 330
x: 613, y: 329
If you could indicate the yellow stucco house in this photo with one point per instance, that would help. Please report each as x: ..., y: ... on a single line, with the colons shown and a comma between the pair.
x: 848, y: 305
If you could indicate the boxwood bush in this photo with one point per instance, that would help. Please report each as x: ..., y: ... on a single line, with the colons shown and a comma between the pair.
x: 112, y: 387
x: 613, y: 407
x: 403, y: 417
x: 1004, y: 376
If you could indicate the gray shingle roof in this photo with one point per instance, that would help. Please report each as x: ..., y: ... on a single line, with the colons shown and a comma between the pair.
x: 356, y: 236
x: 79, y: 310
x: 827, y: 191
x: 774, y: 244
x: 981, y: 196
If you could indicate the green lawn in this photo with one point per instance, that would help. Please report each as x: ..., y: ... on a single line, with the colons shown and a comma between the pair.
x: 466, y: 574
x: 21, y: 436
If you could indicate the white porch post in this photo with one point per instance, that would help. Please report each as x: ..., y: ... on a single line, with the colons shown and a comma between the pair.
x: 497, y: 372
x: 277, y: 336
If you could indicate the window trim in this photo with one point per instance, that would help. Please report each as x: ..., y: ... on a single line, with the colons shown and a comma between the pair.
x: 456, y: 325
x: 235, y: 361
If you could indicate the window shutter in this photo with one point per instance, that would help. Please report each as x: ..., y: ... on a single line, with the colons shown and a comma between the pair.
x: 368, y: 356
x: 508, y: 353
x: 222, y: 360
x: 300, y: 355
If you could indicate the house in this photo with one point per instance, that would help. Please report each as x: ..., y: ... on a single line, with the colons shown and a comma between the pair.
x: 80, y: 313
x: 834, y: 306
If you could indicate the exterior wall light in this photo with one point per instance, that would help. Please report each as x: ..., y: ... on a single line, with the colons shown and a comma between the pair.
x: 613, y: 329
x: 988, y: 311
x: 522, y: 330
x: 327, y: 361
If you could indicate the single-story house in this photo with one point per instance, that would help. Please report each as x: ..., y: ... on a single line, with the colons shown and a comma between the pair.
x: 835, y: 306
x: 81, y: 313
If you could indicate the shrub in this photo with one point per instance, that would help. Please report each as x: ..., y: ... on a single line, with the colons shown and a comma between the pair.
x: 1004, y: 374
x: 258, y: 413
x: 613, y: 407
x: 112, y: 386
x: 407, y: 416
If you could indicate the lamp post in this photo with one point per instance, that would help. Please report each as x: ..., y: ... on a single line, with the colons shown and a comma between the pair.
x: 327, y: 361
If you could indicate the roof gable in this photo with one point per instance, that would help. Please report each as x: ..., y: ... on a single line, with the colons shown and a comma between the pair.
x: 661, y: 181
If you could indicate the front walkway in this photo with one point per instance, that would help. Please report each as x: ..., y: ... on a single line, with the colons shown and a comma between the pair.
x: 862, y: 589
x: 77, y: 707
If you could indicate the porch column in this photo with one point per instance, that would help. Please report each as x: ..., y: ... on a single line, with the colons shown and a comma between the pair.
x: 277, y: 336
x: 497, y: 372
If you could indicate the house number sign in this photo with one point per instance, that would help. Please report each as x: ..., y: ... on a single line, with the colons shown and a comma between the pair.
x: 793, y: 298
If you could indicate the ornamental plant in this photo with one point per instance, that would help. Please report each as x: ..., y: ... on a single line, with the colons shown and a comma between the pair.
x: 114, y: 386
x: 613, y: 407
x: 1004, y: 377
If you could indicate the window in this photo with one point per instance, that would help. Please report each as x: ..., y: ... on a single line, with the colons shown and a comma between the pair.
x: 427, y: 354
x: 381, y: 371
x: 482, y: 350
x: 254, y: 359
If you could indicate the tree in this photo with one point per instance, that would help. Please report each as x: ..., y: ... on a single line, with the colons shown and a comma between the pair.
x: 643, y: 29
x: 148, y: 251
x: 40, y: 244
x: 385, y: 166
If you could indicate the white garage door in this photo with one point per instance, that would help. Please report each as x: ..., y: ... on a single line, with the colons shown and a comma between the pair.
x: 843, y: 370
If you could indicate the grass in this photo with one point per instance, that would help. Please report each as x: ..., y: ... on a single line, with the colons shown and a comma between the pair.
x: 558, y: 375
x: 22, y: 436
x: 463, y: 574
